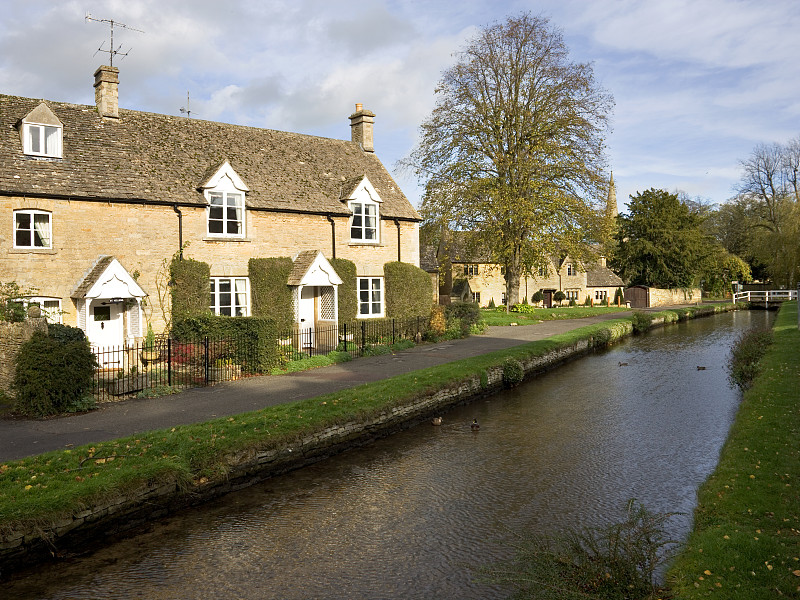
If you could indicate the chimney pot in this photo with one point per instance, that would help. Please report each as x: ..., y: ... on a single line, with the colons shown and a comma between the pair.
x: 361, y: 123
x: 106, y: 91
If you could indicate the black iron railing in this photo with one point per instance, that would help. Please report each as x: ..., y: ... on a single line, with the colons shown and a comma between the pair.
x: 165, y: 361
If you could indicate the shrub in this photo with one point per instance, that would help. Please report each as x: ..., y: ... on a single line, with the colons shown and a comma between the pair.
x: 270, y: 294
x: 537, y: 297
x: 190, y: 288
x: 513, y: 372
x: 491, y: 303
x: 559, y: 296
x: 408, y: 290
x: 619, y: 296
x: 63, y: 334
x: 52, y: 377
x: 746, y: 354
x: 641, y: 321
x: 588, y: 301
x: 438, y: 323
x: 461, y: 316
x: 348, y: 294
x: 572, y: 302
x: 252, y: 341
x: 11, y: 307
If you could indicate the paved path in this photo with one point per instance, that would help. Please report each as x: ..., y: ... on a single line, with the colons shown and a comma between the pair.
x: 21, y: 438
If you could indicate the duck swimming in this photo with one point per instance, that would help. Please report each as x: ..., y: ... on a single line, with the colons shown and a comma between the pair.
x: 474, y: 426
x: 436, y: 421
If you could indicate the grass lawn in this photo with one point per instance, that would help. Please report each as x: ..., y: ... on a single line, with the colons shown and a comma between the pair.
x: 746, y: 538
x: 498, y: 316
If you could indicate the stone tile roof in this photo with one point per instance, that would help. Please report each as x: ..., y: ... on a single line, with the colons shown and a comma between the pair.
x: 599, y: 276
x: 302, y: 263
x: 91, y: 276
x: 160, y: 158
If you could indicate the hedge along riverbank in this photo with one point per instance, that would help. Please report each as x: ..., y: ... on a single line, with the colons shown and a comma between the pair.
x: 58, y: 502
x: 745, y: 543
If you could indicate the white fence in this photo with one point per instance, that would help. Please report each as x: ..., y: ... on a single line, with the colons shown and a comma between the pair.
x: 765, y: 296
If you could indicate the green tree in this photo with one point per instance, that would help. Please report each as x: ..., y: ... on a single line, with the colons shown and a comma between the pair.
x: 513, y: 149
x: 659, y: 242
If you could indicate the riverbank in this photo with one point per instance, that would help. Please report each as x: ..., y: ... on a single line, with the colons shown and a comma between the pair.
x: 745, y: 543
x: 55, y: 503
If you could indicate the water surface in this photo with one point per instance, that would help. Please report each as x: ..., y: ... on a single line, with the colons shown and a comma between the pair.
x: 413, y: 515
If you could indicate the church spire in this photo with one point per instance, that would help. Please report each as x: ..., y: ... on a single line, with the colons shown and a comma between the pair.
x: 611, y: 201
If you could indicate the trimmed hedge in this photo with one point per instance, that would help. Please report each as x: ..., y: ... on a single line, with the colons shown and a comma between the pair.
x: 348, y: 295
x: 254, y: 340
x: 408, y: 290
x: 53, y: 376
x: 191, y: 288
x: 270, y: 295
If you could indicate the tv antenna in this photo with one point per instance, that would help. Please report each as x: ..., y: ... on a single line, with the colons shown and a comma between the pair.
x: 186, y: 110
x: 113, y: 51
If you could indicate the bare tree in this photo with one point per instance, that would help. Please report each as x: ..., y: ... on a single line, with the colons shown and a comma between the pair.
x: 516, y: 139
x: 770, y: 189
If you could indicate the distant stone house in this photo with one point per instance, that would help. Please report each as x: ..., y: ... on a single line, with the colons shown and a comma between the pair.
x: 96, y: 198
x: 486, y: 280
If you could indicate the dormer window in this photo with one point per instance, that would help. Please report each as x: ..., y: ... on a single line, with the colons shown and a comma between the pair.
x: 41, y: 133
x: 225, y: 210
x: 225, y: 193
x: 364, y: 223
x: 42, y: 140
x: 364, y: 202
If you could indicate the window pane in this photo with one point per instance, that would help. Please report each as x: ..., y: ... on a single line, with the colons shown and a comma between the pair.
x: 51, y: 141
x: 41, y: 225
x: 23, y: 220
x: 34, y: 132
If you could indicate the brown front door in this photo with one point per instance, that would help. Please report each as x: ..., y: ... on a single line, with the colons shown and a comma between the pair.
x: 548, y: 298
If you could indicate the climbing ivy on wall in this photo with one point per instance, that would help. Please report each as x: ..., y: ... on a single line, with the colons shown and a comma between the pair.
x: 191, y: 290
x: 408, y: 290
x: 270, y: 296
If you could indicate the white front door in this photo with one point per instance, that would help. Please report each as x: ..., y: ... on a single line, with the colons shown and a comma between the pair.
x: 104, y: 330
x: 307, y: 316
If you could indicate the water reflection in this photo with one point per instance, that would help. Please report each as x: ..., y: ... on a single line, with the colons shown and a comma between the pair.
x: 409, y: 516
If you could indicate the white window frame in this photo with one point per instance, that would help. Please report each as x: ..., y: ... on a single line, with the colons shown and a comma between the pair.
x: 359, y: 208
x: 53, y: 314
x: 36, y: 134
x: 239, y: 298
x: 370, y: 286
x: 570, y: 270
x: 226, y: 201
x: 471, y: 270
x: 600, y: 295
x: 476, y: 297
x: 32, y: 214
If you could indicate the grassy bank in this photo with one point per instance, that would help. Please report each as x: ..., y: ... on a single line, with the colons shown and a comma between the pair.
x: 498, y: 316
x: 44, y: 490
x: 746, y: 538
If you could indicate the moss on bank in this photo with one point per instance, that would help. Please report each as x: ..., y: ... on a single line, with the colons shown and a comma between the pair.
x: 746, y: 538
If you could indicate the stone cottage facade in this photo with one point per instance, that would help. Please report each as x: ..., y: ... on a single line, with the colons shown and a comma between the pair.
x: 97, y: 199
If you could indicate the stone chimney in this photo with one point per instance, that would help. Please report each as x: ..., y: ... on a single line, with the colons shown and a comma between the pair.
x: 106, y: 93
x: 361, y: 128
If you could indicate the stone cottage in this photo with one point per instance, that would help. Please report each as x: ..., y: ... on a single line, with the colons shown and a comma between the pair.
x: 97, y: 198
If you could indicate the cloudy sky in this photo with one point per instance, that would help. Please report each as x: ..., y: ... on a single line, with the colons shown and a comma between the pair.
x: 697, y: 83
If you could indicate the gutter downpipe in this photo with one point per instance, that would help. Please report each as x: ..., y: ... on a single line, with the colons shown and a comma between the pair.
x: 333, y: 236
x: 180, y: 230
x: 397, y: 224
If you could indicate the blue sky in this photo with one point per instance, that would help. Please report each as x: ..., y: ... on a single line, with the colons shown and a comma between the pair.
x: 697, y: 83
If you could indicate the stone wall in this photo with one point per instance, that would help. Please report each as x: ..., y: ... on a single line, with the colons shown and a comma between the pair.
x: 661, y: 297
x: 12, y: 336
